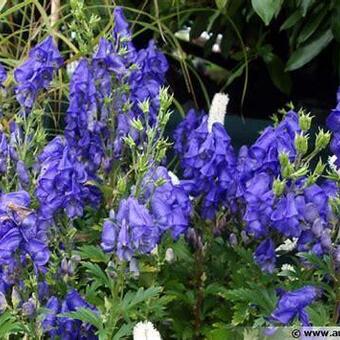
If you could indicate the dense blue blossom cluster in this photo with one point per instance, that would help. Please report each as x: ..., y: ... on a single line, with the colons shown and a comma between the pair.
x: 301, y: 213
x: 137, y: 229
x: 147, y: 68
x: 63, y: 327
x: 131, y: 231
x: 21, y: 235
x: 208, y: 162
x: 169, y: 203
x: 63, y: 183
x: 37, y: 72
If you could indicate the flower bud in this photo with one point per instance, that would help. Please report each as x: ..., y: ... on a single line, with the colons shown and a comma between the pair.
x: 233, y: 240
x: 244, y: 237
x: 64, y: 266
x: 301, y: 144
x: 287, y: 170
x: 110, y: 269
x: 322, y: 139
x: 112, y: 214
x: 134, y: 268
x: 145, y: 108
x: 43, y: 290
x: 3, y: 302
x: 336, y: 255
x: 137, y: 124
x: 317, y: 227
x: 305, y: 121
x: 169, y: 255
x: 15, y: 297
x: 326, y: 239
x: 284, y: 160
x: 279, y: 187
x: 29, y: 307
x: 130, y: 142
x: 319, y: 169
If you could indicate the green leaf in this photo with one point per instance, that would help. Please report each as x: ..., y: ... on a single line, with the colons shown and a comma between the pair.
x: 279, y: 77
x: 123, y: 331
x: 319, y: 315
x: 305, y: 5
x: 2, y: 4
x: 220, y: 4
x: 266, y: 9
x: 291, y: 20
x: 220, y: 333
x: 311, y: 26
x: 97, y: 273
x: 305, y: 54
x: 93, y: 253
x: 8, y: 325
x: 241, y: 314
x: 85, y: 315
x: 335, y: 22
x: 131, y: 299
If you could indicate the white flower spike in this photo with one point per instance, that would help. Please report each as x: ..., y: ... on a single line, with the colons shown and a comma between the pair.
x: 145, y: 331
x: 218, y: 109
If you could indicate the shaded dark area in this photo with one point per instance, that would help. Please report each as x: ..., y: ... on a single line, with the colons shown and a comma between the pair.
x: 313, y: 85
x: 313, y: 88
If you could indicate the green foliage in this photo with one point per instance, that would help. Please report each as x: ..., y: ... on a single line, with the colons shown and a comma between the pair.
x: 9, y: 325
x: 267, y: 9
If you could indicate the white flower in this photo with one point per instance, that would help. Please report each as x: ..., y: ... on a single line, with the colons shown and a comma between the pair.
x: 331, y: 163
x: 218, y: 109
x: 287, y: 267
x: 287, y: 270
x: 288, y: 245
x: 169, y: 255
x: 145, y: 331
x: 174, y: 178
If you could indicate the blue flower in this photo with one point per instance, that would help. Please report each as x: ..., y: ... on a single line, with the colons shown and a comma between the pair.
x: 183, y: 130
x: 131, y: 231
x: 63, y: 182
x: 316, y: 217
x: 37, y: 72
x: 265, y: 255
x: 21, y: 230
x: 259, y: 200
x: 333, y: 120
x: 64, y: 327
x: 122, y: 36
x: 333, y: 123
x: 50, y: 320
x: 292, y: 305
x: 83, y: 129
x: 264, y: 153
x: 208, y: 163
x: 285, y: 217
x: 3, y: 74
x: 4, y: 153
x: 23, y: 174
x: 169, y: 202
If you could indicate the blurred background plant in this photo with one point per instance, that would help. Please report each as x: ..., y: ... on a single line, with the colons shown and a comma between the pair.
x: 261, y: 52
